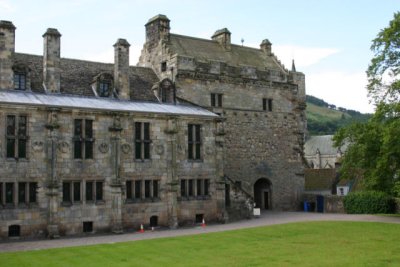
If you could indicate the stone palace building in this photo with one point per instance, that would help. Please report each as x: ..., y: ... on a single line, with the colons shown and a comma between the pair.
x: 199, y: 129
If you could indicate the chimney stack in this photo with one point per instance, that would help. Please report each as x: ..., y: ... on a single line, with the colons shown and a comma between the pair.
x: 51, y: 60
x: 223, y: 37
x: 266, y: 46
x: 121, y: 68
x: 7, y: 49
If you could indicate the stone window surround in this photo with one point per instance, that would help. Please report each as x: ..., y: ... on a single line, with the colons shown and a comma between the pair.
x: 71, y: 200
x: 132, y: 192
x: 85, y: 141
x: 216, y: 100
x: 17, y: 137
x: 22, y: 69
x: 267, y: 104
x: 145, y: 143
x: 97, y: 193
x: 189, y: 189
x: 195, y: 144
x: 30, y: 196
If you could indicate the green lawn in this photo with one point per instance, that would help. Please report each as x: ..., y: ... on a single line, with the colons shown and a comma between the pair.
x: 297, y: 244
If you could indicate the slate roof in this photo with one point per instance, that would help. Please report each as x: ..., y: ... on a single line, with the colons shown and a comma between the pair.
x: 206, y: 50
x: 323, y: 143
x: 77, y: 76
x: 97, y: 103
x: 319, y: 179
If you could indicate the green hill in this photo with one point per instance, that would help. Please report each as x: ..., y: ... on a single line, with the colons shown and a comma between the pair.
x: 324, y: 118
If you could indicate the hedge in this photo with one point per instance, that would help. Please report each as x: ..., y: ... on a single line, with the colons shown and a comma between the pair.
x: 368, y: 202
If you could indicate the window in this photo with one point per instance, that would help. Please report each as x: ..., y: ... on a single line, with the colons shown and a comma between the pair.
x: 32, y: 192
x: 83, y: 139
x: 194, y: 142
x: 267, y: 104
x: 216, y: 100
x: 22, y: 192
x: 99, y: 191
x: 138, y: 189
x: 134, y: 189
x: 104, y: 88
x: 142, y: 140
x: 19, y: 81
x: 9, y: 193
x: 195, y: 187
x: 16, y: 134
x: 71, y: 192
x: 147, y: 189
x: 163, y: 66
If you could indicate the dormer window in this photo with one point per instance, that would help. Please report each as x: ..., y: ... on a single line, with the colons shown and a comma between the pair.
x: 19, y: 81
x: 165, y: 91
x: 104, y: 88
x: 102, y: 85
x: 21, y: 76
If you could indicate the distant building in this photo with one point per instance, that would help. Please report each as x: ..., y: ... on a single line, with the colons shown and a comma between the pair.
x: 320, y: 152
x: 200, y: 129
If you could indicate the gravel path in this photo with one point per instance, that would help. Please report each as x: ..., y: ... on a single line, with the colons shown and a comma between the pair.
x: 267, y: 218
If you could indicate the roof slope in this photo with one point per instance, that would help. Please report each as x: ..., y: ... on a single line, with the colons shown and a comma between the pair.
x: 205, y: 50
x: 96, y: 103
x: 323, y: 143
x: 77, y: 76
x: 319, y: 179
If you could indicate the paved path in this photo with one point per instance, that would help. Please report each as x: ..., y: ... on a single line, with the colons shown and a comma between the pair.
x: 267, y: 218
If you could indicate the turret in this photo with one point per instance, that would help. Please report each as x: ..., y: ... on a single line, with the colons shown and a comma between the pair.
x: 266, y: 46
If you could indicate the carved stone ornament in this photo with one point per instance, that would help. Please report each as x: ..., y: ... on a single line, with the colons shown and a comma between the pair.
x: 125, y: 148
x: 37, y: 146
x: 63, y: 147
x: 103, y: 148
x: 160, y: 149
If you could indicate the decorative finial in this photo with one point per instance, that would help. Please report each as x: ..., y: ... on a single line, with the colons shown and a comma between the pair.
x: 242, y: 40
x: 293, y: 66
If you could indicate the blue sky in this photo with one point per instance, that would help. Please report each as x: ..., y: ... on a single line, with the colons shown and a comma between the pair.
x: 329, y: 40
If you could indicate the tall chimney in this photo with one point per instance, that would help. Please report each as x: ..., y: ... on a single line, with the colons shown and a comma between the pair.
x: 51, y: 60
x: 121, y: 68
x: 223, y: 37
x: 157, y: 28
x: 7, y: 49
x: 266, y: 46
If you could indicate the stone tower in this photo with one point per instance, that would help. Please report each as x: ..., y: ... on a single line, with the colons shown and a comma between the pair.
x: 157, y: 28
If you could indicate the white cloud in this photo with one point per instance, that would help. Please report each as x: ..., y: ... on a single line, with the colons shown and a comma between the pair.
x: 303, y: 56
x: 6, y: 6
x: 342, y: 89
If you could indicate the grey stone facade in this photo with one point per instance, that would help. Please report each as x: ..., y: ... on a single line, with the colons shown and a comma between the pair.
x: 262, y: 106
x: 93, y: 147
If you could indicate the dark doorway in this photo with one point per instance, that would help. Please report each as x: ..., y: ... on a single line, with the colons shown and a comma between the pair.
x: 153, y: 221
x: 266, y: 203
x: 199, y: 218
x: 87, y: 227
x: 227, y: 195
x: 14, y: 230
x: 263, y: 194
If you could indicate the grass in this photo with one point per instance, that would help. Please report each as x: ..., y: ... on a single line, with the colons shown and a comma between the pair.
x: 297, y: 244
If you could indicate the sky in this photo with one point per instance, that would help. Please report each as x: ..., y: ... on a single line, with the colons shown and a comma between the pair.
x: 329, y: 40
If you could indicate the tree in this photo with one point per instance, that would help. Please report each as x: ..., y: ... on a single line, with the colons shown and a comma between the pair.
x: 374, y: 147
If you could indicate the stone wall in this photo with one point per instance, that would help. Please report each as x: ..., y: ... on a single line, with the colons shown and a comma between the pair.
x: 168, y: 164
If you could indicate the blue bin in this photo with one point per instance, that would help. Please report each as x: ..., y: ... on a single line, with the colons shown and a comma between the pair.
x: 306, y: 206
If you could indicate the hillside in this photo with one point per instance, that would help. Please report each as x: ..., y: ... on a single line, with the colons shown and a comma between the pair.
x: 324, y: 118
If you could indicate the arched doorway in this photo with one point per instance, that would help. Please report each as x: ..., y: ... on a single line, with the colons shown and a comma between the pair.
x: 263, y: 194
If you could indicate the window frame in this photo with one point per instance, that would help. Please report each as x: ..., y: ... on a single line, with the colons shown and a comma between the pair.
x: 83, y: 139
x: 194, y: 142
x: 22, y: 80
x: 142, y: 137
x: 17, y: 139
x: 267, y: 104
x: 216, y: 100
